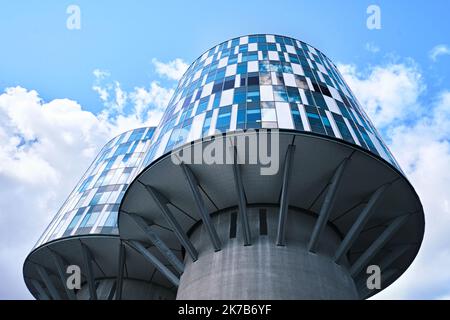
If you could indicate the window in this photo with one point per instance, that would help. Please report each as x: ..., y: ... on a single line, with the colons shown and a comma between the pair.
x: 280, y: 94
x: 345, y: 132
x: 293, y: 94
x: 296, y: 116
x: 314, y: 120
x: 253, y: 116
x: 223, y: 119
x: 253, y: 93
x: 239, y: 95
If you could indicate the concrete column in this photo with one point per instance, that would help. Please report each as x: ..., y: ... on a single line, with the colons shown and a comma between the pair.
x: 264, y: 270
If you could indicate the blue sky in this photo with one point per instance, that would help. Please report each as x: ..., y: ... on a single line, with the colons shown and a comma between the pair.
x: 122, y: 38
x: 54, y: 118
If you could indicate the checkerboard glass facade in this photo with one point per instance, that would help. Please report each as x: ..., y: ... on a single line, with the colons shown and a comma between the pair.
x: 264, y: 81
x: 93, y: 205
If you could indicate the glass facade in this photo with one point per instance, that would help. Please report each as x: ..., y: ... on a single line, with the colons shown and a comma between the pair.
x: 264, y: 81
x: 93, y: 205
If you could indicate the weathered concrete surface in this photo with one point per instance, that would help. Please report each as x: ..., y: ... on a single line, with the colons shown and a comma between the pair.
x: 264, y: 270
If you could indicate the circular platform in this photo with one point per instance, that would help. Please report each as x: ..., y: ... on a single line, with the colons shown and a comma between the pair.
x: 315, y: 161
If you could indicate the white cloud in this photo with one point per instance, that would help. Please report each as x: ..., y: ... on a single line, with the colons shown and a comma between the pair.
x: 389, y: 93
x: 418, y: 134
x: 372, y: 47
x: 173, y: 70
x: 439, y: 50
x: 46, y: 147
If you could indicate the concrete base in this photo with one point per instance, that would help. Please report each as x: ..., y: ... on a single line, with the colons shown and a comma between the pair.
x: 132, y: 290
x: 264, y: 270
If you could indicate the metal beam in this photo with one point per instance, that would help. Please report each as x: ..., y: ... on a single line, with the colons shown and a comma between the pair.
x: 154, y: 261
x: 378, y: 244
x: 62, y: 275
x: 390, y: 258
x: 122, y: 259
x: 48, y: 283
x: 357, y: 226
x: 284, y: 201
x: 327, y: 206
x: 161, y: 201
x: 87, y: 259
x: 193, y: 184
x: 241, y: 197
x: 158, y: 242
x: 41, y: 291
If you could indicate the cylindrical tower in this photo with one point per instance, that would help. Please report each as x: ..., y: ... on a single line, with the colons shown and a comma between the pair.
x: 84, y: 232
x: 330, y: 201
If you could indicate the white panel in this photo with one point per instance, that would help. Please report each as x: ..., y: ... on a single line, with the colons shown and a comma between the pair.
x: 260, y: 55
x: 333, y: 124
x: 197, y: 75
x: 237, y: 81
x: 252, y: 66
x: 357, y: 117
x: 378, y: 145
x: 297, y: 69
x: 229, y: 44
x: 211, y: 101
x: 322, y: 79
x: 308, y: 81
x: 332, y: 105
x: 270, y: 38
x: 284, y: 115
x: 204, y: 56
x: 303, y: 96
x: 233, y: 120
x: 162, y: 145
x: 289, y: 80
x: 204, y: 80
x: 268, y: 114
x: 273, y: 55
x: 252, y: 47
x: 278, y: 47
x: 194, y: 109
x: 335, y: 94
x: 290, y: 49
x: 286, y: 57
x: 222, y: 62
x: 179, y: 105
x: 227, y: 97
x: 322, y: 68
x: 208, y: 60
x: 231, y: 70
x: 298, y: 43
x: 239, y: 60
x: 304, y: 117
x: 312, y: 49
x: 236, y: 50
x: 266, y: 93
x: 196, y: 128
x: 351, y: 131
x: 243, y: 40
x: 212, y: 127
x: 207, y: 89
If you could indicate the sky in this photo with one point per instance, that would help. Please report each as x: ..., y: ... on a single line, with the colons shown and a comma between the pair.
x: 64, y: 92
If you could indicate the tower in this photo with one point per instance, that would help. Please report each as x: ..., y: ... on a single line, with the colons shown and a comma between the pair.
x: 265, y: 179
x: 84, y: 232
x: 338, y: 202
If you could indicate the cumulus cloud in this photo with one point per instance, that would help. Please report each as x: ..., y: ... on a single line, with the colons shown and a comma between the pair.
x: 389, y: 92
x: 439, y: 50
x: 173, y: 70
x: 392, y: 94
x: 46, y: 147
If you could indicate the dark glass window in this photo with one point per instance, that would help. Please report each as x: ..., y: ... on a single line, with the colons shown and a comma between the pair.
x: 314, y: 120
x: 229, y: 83
x: 296, y: 116
x: 253, y: 116
x: 293, y: 94
x: 345, y: 132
